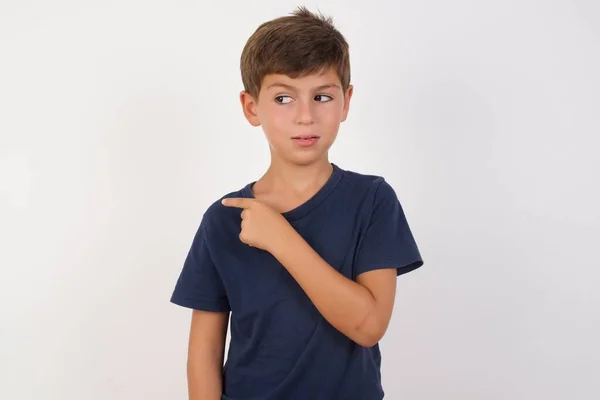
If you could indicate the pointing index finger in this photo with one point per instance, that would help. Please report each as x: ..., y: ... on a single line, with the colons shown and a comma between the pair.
x: 238, y: 202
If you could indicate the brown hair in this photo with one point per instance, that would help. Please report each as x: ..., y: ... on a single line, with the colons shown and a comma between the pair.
x: 297, y: 45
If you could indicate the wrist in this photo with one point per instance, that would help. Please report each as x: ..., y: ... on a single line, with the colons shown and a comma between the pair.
x: 286, y: 239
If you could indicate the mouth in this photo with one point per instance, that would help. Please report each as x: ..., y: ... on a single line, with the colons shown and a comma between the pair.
x: 305, y: 137
x: 305, y: 140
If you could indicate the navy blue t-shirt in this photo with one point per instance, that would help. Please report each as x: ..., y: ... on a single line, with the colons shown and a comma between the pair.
x: 281, y: 346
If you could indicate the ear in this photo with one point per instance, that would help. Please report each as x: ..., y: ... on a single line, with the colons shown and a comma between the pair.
x: 347, y: 98
x: 249, y: 106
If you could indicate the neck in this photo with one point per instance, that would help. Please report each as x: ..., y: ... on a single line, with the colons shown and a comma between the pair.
x: 282, y: 176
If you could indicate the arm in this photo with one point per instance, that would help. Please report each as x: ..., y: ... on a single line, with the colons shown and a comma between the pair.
x: 206, y: 354
x: 360, y: 310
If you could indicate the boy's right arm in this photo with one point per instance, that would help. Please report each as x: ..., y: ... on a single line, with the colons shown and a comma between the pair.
x: 206, y: 354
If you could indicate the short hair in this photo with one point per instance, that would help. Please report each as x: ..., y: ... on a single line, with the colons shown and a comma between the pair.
x: 297, y: 45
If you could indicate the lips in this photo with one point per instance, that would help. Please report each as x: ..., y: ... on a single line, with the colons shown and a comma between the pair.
x: 305, y: 137
x: 305, y: 141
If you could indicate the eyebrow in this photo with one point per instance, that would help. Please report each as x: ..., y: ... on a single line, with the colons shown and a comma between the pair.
x: 288, y: 87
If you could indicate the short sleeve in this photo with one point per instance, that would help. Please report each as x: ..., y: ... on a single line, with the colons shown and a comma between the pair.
x: 388, y: 241
x: 199, y: 285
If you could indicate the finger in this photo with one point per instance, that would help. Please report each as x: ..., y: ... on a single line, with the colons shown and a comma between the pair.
x: 238, y: 202
x: 242, y: 236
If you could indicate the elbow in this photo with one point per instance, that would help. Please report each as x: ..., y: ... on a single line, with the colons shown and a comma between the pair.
x: 366, y: 343
x: 369, y: 331
x: 368, y: 335
x: 367, y: 339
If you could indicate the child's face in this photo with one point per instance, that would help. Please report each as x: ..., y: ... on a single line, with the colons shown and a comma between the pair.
x: 290, y: 110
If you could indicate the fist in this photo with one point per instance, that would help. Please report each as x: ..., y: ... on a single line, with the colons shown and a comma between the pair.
x: 262, y: 227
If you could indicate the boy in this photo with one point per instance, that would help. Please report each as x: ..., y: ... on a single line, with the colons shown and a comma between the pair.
x: 305, y: 258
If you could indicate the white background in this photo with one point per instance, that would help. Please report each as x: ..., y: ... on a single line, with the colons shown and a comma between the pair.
x: 120, y: 123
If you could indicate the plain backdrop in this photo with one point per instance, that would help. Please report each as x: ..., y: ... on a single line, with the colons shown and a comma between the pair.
x: 120, y: 124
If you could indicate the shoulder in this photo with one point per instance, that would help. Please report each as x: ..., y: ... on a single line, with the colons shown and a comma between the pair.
x: 217, y: 214
x: 375, y: 187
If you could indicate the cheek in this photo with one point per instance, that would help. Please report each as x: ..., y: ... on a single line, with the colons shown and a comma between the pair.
x: 330, y: 116
x: 274, y: 120
x: 280, y: 117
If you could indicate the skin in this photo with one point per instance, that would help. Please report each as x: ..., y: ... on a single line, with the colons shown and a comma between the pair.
x: 361, y: 309
x: 206, y: 355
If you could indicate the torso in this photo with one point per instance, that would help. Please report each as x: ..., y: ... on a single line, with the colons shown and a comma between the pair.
x: 281, y: 347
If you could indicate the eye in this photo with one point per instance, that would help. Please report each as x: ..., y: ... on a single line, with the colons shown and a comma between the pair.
x: 323, y: 98
x: 283, y: 99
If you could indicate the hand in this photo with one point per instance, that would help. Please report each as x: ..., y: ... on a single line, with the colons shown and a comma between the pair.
x: 262, y: 226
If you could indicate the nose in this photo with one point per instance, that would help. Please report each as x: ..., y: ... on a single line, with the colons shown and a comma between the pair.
x: 304, y: 114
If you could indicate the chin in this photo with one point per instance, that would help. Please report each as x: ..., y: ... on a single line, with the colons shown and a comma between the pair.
x: 302, y: 156
x: 306, y: 158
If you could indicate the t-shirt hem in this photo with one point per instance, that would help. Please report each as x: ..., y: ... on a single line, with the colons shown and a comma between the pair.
x: 403, y: 268
x: 200, y: 304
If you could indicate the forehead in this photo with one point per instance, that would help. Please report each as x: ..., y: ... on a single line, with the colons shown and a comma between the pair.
x: 325, y: 77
